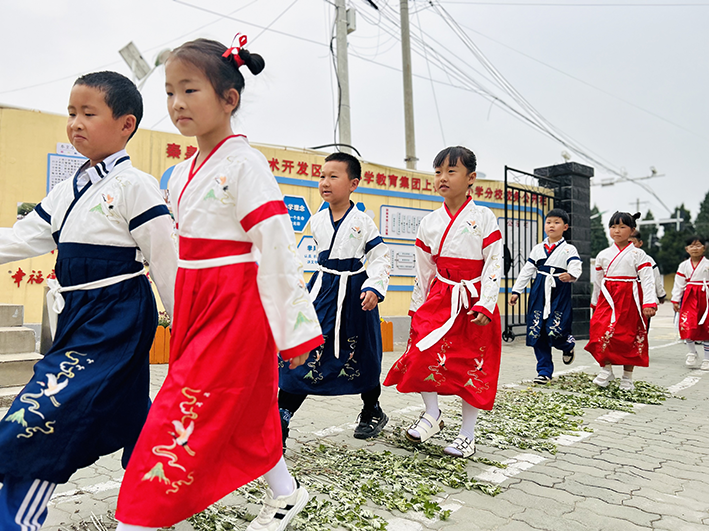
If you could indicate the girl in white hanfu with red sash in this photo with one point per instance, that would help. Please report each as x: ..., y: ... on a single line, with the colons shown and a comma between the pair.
x: 690, y: 298
x: 215, y: 425
x: 618, y: 329
x: 455, y: 341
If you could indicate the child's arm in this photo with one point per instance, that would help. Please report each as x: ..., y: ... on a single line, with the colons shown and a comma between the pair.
x: 597, y: 281
x: 265, y: 220
x: 647, y: 283
x: 492, y: 270
x: 425, y: 271
x: 529, y: 269
x: 659, y: 284
x: 378, y: 268
x: 151, y: 227
x: 574, y: 267
x: 30, y: 236
x: 678, y: 288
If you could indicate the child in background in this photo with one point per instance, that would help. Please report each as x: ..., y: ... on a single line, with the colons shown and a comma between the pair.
x: 549, y: 311
x: 88, y: 396
x: 345, y: 295
x: 618, y: 331
x: 637, y: 240
x: 455, y: 342
x: 690, y: 298
x: 214, y: 425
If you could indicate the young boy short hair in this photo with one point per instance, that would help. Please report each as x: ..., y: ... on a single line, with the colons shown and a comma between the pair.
x: 345, y: 295
x: 88, y: 396
x: 554, y: 264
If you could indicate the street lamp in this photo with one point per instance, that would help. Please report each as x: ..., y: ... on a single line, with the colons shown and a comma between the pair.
x: 139, y: 66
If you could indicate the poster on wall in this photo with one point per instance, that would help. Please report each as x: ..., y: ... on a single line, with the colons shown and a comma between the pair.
x: 400, y: 223
x: 403, y: 259
x: 61, y: 168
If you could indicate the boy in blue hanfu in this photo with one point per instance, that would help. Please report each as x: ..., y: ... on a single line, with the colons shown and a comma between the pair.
x: 88, y: 396
x: 345, y: 294
x: 554, y: 264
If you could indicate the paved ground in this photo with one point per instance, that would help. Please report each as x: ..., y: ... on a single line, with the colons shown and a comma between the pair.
x: 648, y: 470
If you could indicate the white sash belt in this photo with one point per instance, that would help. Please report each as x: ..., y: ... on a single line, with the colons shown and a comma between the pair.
x: 55, y: 301
x: 341, y: 292
x: 459, y: 300
x: 549, y: 284
x: 216, y: 262
x: 705, y: 289
x: 636, y: 296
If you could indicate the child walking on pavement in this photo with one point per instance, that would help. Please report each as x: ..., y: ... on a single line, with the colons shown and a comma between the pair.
x: 554, y: 264
x: 690, y: 298
x: 618, y: 330
x: 88, y: 396
x: 455, y: 341
x: 345, y: 294
x: 214, y: 425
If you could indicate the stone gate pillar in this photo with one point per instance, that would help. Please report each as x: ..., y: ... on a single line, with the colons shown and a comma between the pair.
x: 571, y: 183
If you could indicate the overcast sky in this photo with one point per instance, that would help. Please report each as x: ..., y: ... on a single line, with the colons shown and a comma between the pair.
x: 628, y: 84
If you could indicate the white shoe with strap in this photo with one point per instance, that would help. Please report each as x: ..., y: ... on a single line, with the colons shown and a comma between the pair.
x: 277, y: 513
x: 426, y: 426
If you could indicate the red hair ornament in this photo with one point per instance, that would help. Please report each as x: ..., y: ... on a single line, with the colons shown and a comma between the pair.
x: 233, y: 52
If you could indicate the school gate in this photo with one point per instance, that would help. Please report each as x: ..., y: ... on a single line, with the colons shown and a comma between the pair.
x: 528, y: 198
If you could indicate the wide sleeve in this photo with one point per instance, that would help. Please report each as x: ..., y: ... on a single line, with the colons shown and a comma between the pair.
x: 378, y: 262
x: 30, y: 236
x: 152, y: 229
x: 529, y: 269
x: 680, y: 284
x: 574, y: 265
x: 492, y: 268
x: 647, y: 280
x: 425, y: 270
x: 597, y: 282
x: 264, y: 218
x: 659, y: 283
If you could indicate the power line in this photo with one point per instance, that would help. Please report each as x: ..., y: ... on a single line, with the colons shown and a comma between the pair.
x: 559, y: 4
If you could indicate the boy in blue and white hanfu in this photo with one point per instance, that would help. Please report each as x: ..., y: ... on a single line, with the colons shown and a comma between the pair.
x: 88, y: 396
x: 345, y: 295
x: 554, y: 264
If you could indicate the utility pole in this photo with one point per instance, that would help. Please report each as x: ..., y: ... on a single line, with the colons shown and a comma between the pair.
x: 408, y: 87
x: 343, y: 76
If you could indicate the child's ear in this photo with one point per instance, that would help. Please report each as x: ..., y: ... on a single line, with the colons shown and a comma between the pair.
x: 354, y: 183
x: 129, y: 125
x: 471, y: 178
x: 231, y: 100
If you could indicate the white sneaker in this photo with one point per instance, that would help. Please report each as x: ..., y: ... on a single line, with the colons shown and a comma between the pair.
x: 277, y: 513
x: 705, y: 365
x: 626, y: 384
x: 604, y: 378
x: 691, y: 360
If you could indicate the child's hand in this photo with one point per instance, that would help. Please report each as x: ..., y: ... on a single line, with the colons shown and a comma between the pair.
x: 675, y: 307
x: 513, y: 299
x: 480, y: 318
x: 565, y: 277
x: 369, y: 300
x: 298, y: 360
x: 649, y: 312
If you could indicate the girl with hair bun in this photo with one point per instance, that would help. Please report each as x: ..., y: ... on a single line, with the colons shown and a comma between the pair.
x: 621, y: 310
x: 215, y: 425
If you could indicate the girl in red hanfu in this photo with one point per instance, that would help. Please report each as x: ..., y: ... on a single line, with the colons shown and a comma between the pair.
x: 690, y: 298
x: 215, y: 425
x: 620, y: 310
x: 455, y: 341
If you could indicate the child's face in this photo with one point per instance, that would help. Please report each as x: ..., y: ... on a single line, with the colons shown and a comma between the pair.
x: 555, y: 228
x: 637, y: 243
x: 335, y: 185
x: 620, y: 233
x: 194, y: 107
x: 696, y: 249
x: 452, y: 182
x: 91, y: 127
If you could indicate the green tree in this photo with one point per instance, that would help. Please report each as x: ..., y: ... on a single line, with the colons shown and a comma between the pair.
x: 599, y: 240
x: 672, y: 243
x: 702, y: 222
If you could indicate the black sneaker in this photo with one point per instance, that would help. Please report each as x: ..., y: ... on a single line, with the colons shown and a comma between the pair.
x: 371, y: 423
x: 541, y: 379
x: 568, y: 357
x: 285, y: 420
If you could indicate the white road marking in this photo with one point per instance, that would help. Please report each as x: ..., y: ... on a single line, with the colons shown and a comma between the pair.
x: 580, y: 368
x: 688, y: 382
x: 401, y: 524
x: 76, y: 494
x: 677, y: 342
x: 569, y: 439
x: 613, y: 416
x: 517, y: 464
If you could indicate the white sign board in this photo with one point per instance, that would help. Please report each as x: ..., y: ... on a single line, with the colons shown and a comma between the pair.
x: 400, y: 223
x: 61, y: 167
x: 403, y: 259
x: 308, y: 254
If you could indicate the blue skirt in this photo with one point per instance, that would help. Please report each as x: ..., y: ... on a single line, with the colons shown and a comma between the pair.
x: 558, y: 324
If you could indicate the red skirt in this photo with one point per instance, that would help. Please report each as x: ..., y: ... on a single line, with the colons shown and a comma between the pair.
x: 214, y: 425
x: 694, y: 304
x: 465, y: 362
x: 625, y: 341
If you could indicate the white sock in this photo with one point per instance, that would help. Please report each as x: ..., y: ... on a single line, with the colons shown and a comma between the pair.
x: 279, y: 480
x: 628, y: 375
x: 608, y: 368
x: 126, y: 527
x: 690, y: 345
x: 470, y: 417
x: 706, y: 350
x: 430, y: 401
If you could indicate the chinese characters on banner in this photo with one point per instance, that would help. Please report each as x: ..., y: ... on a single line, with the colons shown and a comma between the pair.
x: 400, y: 223
x: 35, y: 277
